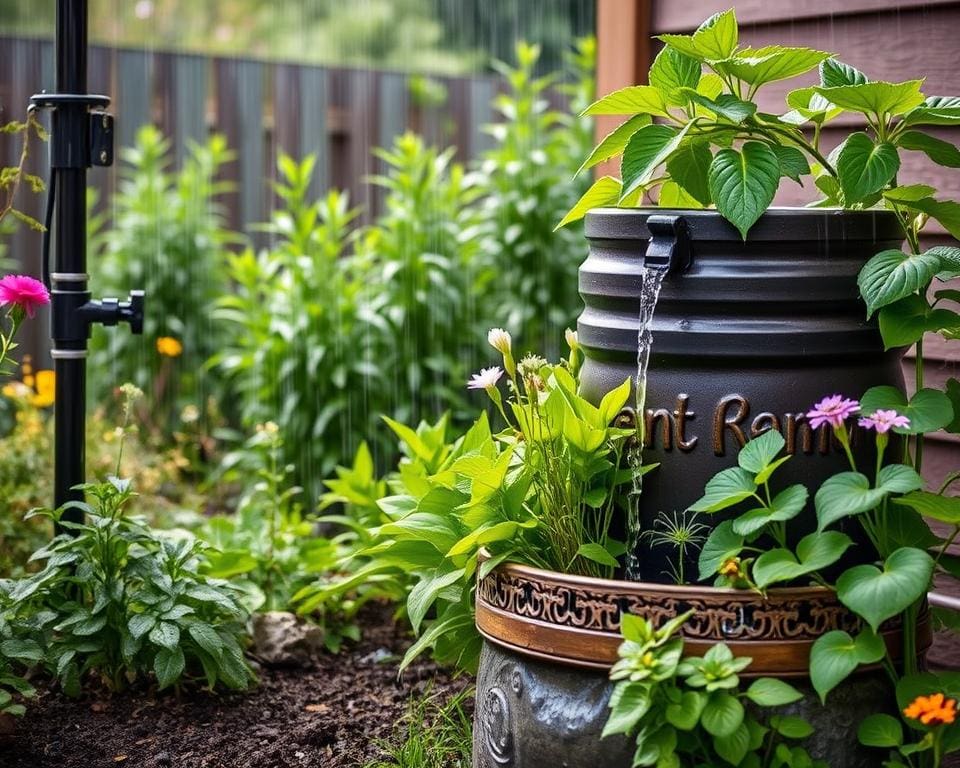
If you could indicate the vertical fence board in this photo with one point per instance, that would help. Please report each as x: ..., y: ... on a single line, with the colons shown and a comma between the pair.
x: 134, y: 94
x: 481, y: 114
x: 312, y: 123
x: 362, y: 121
x: 190, y: 76
x: 240, y: 118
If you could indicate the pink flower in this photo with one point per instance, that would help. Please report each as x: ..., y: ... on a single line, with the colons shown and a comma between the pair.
x: 833, y: 410
x: 883, y: 421
x: 486, y: 379
x: 23, y: 292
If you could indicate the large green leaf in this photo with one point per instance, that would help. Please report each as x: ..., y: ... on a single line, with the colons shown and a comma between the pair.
x: 743, y: 183
x: 904, y: 322
x: 946, y: 509
x: 689, y: 167
x: 646, y: 150
x: 892, y: 274
x: 880, y: 730
x: 843, y: 495
x: 715, y: 39
x: 835, y: 73
x: 758, y: 66
x: 940, y: 151
x: 949, y: 264
x: 758, y: 454
x: 604, y: 191
x: 673, y: 70
x: 793, y: 163
x: 935, y: 110
x: 865, y: 168
x: 836, y: 655
x: 947, y: 212
x: 168, y: 666
x: 725, y: 489
x: 632, y: 100
x: 876, y: 98
x: 877, y: 595
x: 614, y: 142
x: 722, y: 714
x: 928, y: 410
x: 814, y: 552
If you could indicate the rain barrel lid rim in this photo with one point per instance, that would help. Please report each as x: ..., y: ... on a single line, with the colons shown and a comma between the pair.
x: 777, y: 223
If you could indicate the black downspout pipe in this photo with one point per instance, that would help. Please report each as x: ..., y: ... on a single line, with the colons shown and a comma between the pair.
x: 80, y: 138
x: 71, y: 141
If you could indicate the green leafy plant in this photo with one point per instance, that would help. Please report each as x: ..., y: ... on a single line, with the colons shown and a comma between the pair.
x: 686, y: 708
x: 118, y: 601
x: 539, y: 492
x: 167, y: 236
x: 12, y: 177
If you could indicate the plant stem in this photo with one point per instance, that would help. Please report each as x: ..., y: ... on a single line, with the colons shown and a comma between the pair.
x: 918, y: 362
x: 948, y: 481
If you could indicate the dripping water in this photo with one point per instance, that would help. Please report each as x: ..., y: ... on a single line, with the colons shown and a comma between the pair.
x: 652, y: 277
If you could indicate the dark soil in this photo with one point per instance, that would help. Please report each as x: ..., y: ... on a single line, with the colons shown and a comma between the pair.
x: 332, y: 714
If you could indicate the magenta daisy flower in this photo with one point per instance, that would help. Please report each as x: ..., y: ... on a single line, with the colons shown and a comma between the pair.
x: 23, y: 292
x: 833, y: 410
x: 884, y: 421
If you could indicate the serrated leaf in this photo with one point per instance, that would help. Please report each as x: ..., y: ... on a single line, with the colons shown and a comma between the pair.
x: 141, y: 623
x: 758, y: 66
x: 835, y: 73
x: 604, y: 191
x: 743, y: 183
x: 715, y: 39
x: 614, y: 142
x: 632, y: 100
x: 168, y: 666
x: 725, y: 105
x: 207, y: 638
x: 865, y: 168
x: 892, y: 274
x: 165, y: 634
x: 793, y: 163
x: 935, y: 110
x: 647, y: 149
x: 671, y: 71
x: 940, y: 151
x: 875, y: 98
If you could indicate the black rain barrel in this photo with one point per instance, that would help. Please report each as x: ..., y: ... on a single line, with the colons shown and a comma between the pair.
x: 747, y: 336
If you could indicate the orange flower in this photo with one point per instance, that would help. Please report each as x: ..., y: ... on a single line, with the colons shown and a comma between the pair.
x: 935, y: 709
x: 169, y: 346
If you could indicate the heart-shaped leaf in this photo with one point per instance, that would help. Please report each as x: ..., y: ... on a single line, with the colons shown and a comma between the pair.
x: 865, y: 168
x: 928, y: 410
x: 876, y: 594
x: 843, y: 495
x: 757, y: 454
x: 892, y: 275
x: 836, y: 655
x: 906, y: 321
x: 743, y: 183
x: 814, y: 552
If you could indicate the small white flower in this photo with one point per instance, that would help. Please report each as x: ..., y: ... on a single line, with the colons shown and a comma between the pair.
x: 500, y: 340
x: 486, y: 379
x: 532, y: 364
x: 573, y: 340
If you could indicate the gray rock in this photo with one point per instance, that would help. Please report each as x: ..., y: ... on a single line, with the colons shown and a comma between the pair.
x: 284, y: 639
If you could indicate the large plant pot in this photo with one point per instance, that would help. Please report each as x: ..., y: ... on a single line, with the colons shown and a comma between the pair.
x: 746, y: 337
x: 550, y: 639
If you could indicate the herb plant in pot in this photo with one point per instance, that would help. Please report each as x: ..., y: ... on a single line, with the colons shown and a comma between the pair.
x: 788, y: 498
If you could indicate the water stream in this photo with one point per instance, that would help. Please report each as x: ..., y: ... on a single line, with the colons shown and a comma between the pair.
x: 649, y: 294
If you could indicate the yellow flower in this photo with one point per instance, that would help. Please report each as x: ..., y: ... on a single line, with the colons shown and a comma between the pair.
x: 46, y: 389
x: 16, y: 390
x: 730, y: 567
x: 169, y: 346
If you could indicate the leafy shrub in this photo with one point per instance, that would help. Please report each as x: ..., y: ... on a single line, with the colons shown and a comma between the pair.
x: 118, y: 600
x: 167, y: 237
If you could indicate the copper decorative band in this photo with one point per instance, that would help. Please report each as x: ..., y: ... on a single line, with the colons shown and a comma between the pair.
x: 576, y: 620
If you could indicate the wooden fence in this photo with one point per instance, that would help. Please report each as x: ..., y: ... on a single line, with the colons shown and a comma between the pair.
x: 261, y: 107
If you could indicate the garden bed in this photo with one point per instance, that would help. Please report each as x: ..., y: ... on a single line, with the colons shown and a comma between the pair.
x: 333, y: 713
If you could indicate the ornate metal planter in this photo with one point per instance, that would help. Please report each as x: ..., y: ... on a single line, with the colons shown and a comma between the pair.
x: 542, y: 689
x: 747, y: 335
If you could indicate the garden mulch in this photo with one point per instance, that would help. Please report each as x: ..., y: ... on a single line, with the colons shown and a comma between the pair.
x: 334, y: 714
